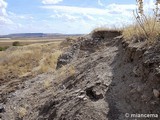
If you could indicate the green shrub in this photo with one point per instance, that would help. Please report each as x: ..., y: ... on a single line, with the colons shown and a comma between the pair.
x: 3, y: 48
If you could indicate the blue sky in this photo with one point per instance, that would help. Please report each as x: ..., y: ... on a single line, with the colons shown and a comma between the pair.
x: 64, y: 16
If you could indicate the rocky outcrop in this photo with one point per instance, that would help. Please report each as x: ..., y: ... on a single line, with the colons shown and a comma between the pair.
x: 68, y: 56
x: 84, y: 46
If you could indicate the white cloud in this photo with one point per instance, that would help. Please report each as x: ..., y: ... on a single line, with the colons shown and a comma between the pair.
x: 51, y: 1
x: 110, y: 13
x: 80, y: 18
x: 76, y: 10
x: 88, y: 17
x: 4, y: 19
x: 148, y: 6
x: 109, y: 10
x: 66, y: 17
x: 72, y: 17
x: 69, y: 19
x: 17, y: 16
x: 119, y: 8
x: 100, y: 3
x: 3, y: 6
x: 10, y: 20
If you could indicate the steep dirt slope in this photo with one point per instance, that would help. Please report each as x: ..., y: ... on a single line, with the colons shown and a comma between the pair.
x: 136, y: 78
x: 98, y: 78
x: 77, y: 96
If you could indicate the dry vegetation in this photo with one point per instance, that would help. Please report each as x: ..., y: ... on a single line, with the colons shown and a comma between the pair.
x: 23, y: 41
x: 136, y: 31
x: 22, y: 112
x: 33, y: 59
x: 99, y: 29
x: 104, y: 32
x: 145, y: 27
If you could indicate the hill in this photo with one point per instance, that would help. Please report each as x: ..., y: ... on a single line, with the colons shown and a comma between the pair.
x: 38, y: 35
x: 97, y: 77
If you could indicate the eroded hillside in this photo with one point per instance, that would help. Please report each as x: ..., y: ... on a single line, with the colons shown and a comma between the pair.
x: 97, y: 77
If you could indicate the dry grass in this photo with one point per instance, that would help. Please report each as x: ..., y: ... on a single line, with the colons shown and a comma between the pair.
x: 69, y: 41
x: 48, y: 63
x: 60, y: 75
x: 135, y: 31
x: 9, y: 42
x: 71, y: 70
x: 47, y: 83
x: 65, y: 71
x: 22, y: 112
x: 103, y: 33
x: 146, y: 27
x: 98, y: 29
x: 28, y: 60
x: 71, y: 38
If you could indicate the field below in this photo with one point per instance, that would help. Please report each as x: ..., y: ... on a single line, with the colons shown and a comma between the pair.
x: 37, y: 58
x: 28, y: 41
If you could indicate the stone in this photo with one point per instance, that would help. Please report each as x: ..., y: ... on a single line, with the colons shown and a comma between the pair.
x: 2, y: 108
x: 158, y: 72
x: 85, y: 99
x: 139, y: 89
x: 81, y: 96
x: 156, y: 93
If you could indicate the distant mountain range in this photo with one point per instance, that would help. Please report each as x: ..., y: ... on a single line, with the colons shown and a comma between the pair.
x: 35, y: 35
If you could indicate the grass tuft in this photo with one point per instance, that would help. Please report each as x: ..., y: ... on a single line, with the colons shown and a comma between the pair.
x: 47, y: 83
x: 22, y: 112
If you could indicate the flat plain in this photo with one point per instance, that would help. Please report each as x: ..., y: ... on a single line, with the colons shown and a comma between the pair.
x: 27, y: 41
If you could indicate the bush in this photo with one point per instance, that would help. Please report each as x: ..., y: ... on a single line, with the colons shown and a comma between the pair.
x: 16, y: 43
x: 3, y: 48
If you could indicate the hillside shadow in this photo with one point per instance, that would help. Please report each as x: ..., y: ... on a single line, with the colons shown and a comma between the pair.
x: 116, y: 91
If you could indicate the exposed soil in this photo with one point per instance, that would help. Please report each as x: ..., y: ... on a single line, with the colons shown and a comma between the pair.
x: 111, y: 78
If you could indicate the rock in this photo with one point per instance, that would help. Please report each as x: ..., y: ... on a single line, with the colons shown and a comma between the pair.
x: 157, y: 72
x: 94, y: 93
x: 139, y: 89
x: 84, y: 99
x: 144, y: 98
x: 78, y: 90
x: 81, y: 96
x: 136, y: 71
x: 133, y: 91
x: 156, y: 93
x: 2, y: 108
x: 68, y: 56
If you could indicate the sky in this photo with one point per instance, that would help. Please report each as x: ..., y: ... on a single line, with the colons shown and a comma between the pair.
x: 65, y: 16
